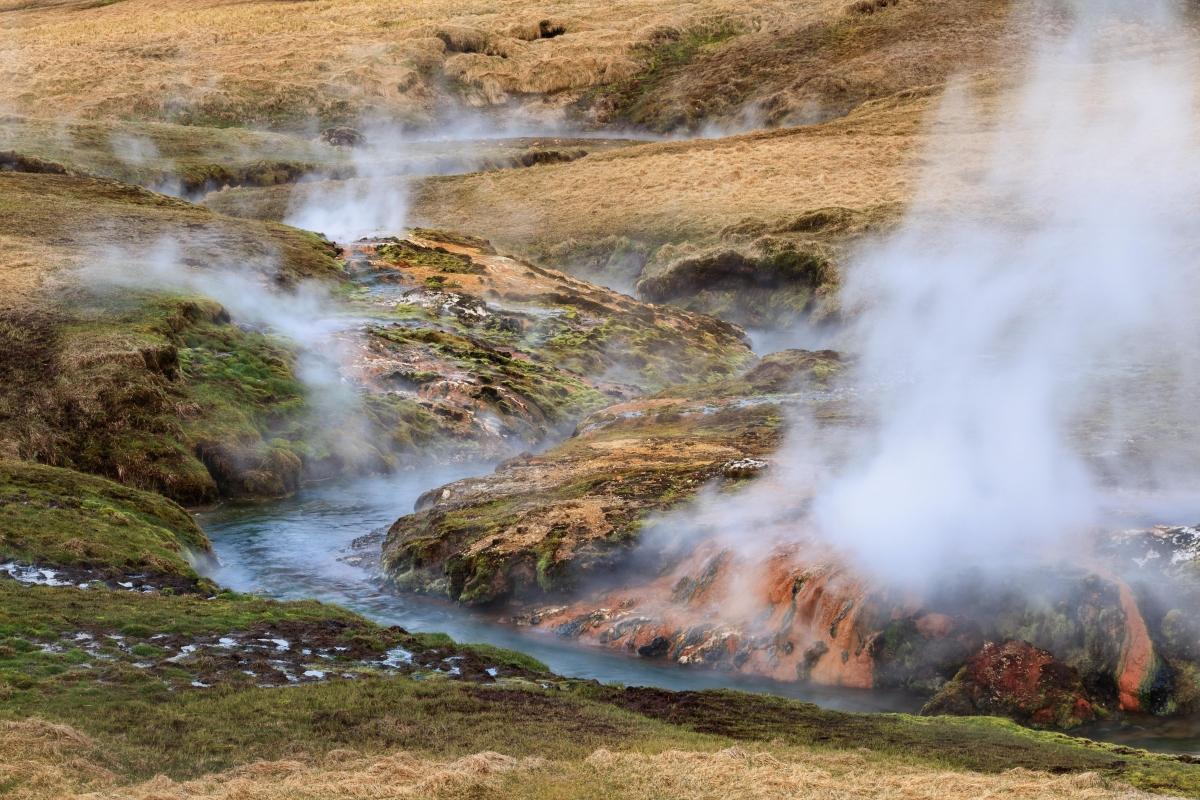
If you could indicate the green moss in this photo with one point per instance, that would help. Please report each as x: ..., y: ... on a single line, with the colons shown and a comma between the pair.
x: 182, y: 158
x: 772, y: 283
x: 662, y: 60
x: 57, y: 517
x: 196, y: 733
x: 432, y: 257
x: 141, y: 727
x: 500, y: 656
x: 557, y: 393
x: 37, y: 611
x: 456, y: 237
x: 648, y: 355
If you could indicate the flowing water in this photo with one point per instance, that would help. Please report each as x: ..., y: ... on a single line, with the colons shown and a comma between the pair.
x: 295, y: 549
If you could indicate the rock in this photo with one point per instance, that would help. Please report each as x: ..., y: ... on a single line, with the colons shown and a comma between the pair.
x: 1017, y: 680
x: 12, y: 161
x: 341, y: 136
x: 1164, y: 550
x: 657, y: 648
x: 542, y: 522
x: 743, y: 467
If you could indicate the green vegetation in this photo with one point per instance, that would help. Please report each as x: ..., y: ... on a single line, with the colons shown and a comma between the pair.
x: 40, y: 612
x: 56, y: 517
x: 190, y: 734
x: 107, y: 663
x: 649, y: 355
x: 433, y: 257
x: 772, y: 283
x: 147, y: 722
x: 171, y: 157
x: 504, y: 378
x: 165, y: 395
x: 153, y: 390
x: 663, y: 59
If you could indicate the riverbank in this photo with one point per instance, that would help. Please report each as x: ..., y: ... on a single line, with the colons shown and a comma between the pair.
x: 107, y: 687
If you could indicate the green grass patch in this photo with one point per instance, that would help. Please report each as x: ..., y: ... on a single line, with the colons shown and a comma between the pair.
x: 662, y: 60
x: 58, y: 517
x: 432, y: 257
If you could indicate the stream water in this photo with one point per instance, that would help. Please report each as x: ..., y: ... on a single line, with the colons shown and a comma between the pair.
x: 295, y: 549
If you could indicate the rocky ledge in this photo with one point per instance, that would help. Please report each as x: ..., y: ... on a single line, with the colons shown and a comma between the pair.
x: 542, y: 523
x: 579, y: 541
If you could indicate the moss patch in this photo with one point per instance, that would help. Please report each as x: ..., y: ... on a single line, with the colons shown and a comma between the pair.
x: 56, y: 517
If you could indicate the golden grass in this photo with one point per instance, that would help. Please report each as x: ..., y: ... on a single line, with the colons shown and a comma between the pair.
x: 40, y: 760
x: 669, y: 191
x: 677, y: 191
x: 739, y: 773
x: 25, y: 266
x: 52, y: 222
x: 150, y: 58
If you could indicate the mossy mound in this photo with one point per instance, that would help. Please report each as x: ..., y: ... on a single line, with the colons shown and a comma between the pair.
x: 542, y: 522
x: 158, y: 392
x: 772, y: 285
x: 499, y: 355
x: 60, y: 518
x: 154, y: 389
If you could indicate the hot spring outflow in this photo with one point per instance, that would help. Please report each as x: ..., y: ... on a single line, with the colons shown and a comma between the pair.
x: 1024, y: 358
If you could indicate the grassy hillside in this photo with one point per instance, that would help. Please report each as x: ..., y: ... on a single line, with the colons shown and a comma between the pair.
x: 137, y: 384
x: 661, y: 65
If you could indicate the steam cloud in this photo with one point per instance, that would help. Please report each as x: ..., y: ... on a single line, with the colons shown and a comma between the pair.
x: 1025, y: 346
x: 375, y: 202
x: 306, y: 315
x: 1030, y: 318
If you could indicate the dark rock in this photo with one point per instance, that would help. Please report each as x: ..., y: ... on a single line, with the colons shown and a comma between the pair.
x: 657, y: 648
x: 1019, y: 681
x: 341, y: 136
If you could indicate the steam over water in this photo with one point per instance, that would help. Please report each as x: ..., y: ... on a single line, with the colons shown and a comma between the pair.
x: 1032, y: 323
x: 295, y: 549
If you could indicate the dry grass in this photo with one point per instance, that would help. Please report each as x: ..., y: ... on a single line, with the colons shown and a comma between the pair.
x: 52, y: 222
x: 40, y: 760
x: 220, y: 60
x: 663, y: 65
x: 738, y: 773
x: 681, y: 191
x: 670, y: 191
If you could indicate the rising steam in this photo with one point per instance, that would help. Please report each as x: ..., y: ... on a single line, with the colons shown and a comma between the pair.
x: 1031, y: 322
x: 373, y: 203
x: 321, y: 332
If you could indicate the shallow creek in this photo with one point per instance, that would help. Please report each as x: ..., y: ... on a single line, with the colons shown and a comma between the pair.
x: 297, y: 548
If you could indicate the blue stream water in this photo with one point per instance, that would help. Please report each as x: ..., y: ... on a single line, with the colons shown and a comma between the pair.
x: 293, y: 549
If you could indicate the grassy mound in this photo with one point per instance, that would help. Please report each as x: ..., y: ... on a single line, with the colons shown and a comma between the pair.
x: 60, y: 518
x: 153, y: 389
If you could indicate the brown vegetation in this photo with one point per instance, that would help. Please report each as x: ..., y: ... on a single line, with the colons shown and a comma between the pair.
x: 55, y: 761
x: 206, y: 61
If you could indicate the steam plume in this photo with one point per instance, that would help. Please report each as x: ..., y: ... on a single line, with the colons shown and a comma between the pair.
x: 1027, y: 306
